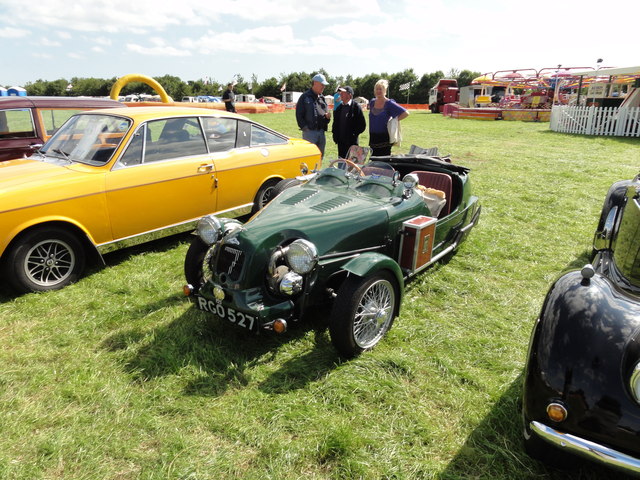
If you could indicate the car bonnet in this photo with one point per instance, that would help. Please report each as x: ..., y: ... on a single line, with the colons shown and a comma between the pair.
x: 25, y: 182
x: 334, y: 222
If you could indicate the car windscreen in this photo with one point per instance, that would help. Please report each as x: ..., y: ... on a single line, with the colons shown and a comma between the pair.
x: 88, y: 139
x: 627, y: 249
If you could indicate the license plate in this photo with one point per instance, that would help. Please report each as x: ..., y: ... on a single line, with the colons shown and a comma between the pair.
x: 226, y: 313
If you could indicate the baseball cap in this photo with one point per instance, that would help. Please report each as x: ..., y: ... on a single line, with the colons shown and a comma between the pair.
x: 347, y: 89
x: 320, y: 78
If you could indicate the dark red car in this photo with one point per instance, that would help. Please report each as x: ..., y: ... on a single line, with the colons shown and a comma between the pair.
x: 27, y: 122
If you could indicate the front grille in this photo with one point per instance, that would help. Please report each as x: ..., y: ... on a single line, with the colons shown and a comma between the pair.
x: 230, y: 262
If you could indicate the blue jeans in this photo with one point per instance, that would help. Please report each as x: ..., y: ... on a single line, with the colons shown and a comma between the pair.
x: 317, y: 137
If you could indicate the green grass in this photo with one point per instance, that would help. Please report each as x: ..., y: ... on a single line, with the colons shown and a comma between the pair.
x: 118, y: 377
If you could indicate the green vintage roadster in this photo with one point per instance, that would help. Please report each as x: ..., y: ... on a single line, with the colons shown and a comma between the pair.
x: 343, y: 241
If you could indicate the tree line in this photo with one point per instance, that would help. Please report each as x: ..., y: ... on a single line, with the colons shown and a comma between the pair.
x: 418, y: 92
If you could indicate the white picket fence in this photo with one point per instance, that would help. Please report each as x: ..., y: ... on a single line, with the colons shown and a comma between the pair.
x: 613, y: 121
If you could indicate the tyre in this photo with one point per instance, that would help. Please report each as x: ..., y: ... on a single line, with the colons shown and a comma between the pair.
x: 363, y: 312
x: 264, y: 195
x: 45, y: 259
x: 194, y: 264
x: 282, y: 185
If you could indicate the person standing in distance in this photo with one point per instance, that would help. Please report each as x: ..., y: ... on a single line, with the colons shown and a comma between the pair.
x: 336, y: 99
x: 312, y: 113
x: 381, y: 109
x: 348, y: 122
x: 229, y: 99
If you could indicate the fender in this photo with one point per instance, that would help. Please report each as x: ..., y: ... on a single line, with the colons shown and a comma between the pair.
x: 68, y: 223
x: 580, y: 349
x: 613, y: 203
x: 369, y: 263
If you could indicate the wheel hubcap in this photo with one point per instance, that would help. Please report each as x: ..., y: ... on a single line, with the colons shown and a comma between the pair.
x: 266, y: 197
x: 49, y: 263
x: 374, y: 314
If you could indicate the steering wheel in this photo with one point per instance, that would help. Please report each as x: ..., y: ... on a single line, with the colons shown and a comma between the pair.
x: 352, y: 166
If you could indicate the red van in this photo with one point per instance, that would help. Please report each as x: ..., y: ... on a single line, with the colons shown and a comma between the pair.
x: 27, y: 122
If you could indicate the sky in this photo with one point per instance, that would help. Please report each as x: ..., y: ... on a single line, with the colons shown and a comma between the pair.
x: 200, y: 39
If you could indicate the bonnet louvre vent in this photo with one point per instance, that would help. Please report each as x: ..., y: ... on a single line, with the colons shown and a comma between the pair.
x: 299, y: 197
x: 331, y: 204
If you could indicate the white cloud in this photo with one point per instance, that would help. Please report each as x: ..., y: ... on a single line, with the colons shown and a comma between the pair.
x: 158, y: 48
x: 114, y: 16
x: 264, y: 40
x: 289, y: 11
x: 103, y: 41
x: 10, y: 32
x: 45, y: 42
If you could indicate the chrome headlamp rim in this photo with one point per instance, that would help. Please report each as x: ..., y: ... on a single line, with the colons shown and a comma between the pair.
x: 209, y: 229
x: 302, y: 256
x: 410, y: 180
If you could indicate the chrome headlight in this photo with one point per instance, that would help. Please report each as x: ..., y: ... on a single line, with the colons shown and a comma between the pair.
x: 634, y: 382
x: 301, y: 256
x: 291, y: 283
x: 209, y: 229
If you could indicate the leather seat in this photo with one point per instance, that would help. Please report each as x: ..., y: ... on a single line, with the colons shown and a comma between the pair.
x: 438, y: 181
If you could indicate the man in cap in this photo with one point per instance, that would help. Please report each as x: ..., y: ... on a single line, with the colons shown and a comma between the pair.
x: 348, y: 122
x: 312, y: 113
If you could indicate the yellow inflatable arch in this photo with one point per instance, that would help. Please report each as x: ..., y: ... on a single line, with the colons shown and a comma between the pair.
x: 136, y: 77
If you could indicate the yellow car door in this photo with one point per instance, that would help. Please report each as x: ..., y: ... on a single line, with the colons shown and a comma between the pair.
x: 260, y: 155
x: 164, y: 178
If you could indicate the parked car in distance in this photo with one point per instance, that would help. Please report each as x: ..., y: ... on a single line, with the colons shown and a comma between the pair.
x: 27, y: 122
x: 118, y: 177
x: 343, y: 242
x: 269, y: 100
x: 582, y: 379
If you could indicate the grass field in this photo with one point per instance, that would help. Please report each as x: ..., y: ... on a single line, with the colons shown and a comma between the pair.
x: 118, y: 377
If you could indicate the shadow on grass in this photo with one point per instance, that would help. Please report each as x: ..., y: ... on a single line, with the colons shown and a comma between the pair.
x: 495, y: 449
x: 157, y: 246
x: 213, y: 356
x: 113, y: 259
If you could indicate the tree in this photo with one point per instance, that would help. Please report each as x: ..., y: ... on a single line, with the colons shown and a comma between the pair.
x: 269, y: 88
x: 295, y: 81
x: 174, y: 86
x: 398, y: 79
x: 466, y: 77
x: 57, y: 88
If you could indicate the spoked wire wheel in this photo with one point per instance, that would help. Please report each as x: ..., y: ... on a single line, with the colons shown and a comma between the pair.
x: 363, y: 312
x: 374, y: 314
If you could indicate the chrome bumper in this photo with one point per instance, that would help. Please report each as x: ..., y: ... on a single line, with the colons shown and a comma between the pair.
x: 586, y: 448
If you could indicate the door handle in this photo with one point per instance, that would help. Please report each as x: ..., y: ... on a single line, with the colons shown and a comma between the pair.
x: 205, y: 168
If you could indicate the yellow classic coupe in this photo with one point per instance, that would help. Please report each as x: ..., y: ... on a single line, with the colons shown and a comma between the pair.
x: 118, y: 177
